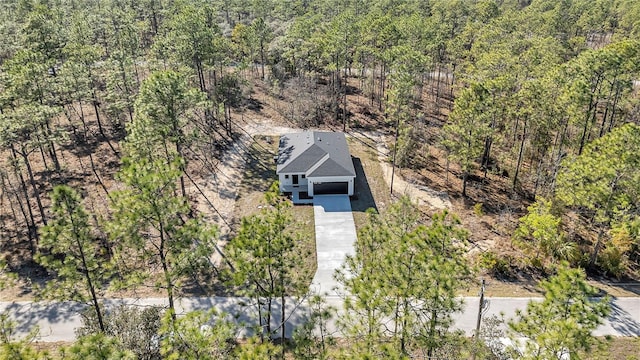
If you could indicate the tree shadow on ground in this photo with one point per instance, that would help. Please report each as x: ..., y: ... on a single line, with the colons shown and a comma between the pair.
x: 243, y: 311
x: 622, y: 321
x: 28, y: 315
x: 260, y: 170
x: 362, y: 198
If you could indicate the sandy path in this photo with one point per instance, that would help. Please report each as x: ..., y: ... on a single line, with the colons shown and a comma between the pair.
x: 221, y: 188
x: 425, y: 196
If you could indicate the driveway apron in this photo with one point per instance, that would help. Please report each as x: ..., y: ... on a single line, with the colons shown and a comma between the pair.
x: 335, y: 239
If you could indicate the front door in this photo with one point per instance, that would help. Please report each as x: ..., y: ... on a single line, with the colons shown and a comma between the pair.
x: 295, y: 180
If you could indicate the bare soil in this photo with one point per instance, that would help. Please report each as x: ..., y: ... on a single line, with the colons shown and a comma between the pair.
x: 259, y: 174
x: 90, y: 163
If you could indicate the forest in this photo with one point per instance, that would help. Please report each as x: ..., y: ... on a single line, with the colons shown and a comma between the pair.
x: 117, y: 118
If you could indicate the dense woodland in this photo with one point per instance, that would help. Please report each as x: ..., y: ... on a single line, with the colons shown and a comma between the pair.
x: 112, y: 111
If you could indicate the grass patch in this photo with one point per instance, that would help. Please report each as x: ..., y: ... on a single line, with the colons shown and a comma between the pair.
x: 259, y: 174
x: 371, y: 189
x: 617, y: 348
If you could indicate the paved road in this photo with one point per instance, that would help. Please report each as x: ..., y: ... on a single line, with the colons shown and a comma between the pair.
x: 335, y: 239
x: 57, y: 321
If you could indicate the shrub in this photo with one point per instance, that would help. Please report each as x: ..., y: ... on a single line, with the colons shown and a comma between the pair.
x: 478, y: 209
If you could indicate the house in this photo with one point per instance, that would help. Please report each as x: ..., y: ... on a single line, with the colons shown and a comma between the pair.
x: 314, y: 163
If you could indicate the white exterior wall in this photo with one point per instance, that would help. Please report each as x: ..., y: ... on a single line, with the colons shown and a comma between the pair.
x: 348, y: 179
x: 287, y: 184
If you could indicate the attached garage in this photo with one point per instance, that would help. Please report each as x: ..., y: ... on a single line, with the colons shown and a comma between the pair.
x: 326, y: 188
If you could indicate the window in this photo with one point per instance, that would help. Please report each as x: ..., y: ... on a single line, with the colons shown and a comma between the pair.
x: 286, y: 176
x: 303, y: 176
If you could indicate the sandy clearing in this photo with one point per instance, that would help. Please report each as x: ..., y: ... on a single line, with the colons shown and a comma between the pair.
x: 425, y: 196
x: 221, y: 188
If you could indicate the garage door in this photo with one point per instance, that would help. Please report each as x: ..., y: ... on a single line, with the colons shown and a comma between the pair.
x: 331, y: 188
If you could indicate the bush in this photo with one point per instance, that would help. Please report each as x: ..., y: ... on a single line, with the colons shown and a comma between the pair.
x: 495, y: 264
x: 478, y: 210
x: 135, y: 328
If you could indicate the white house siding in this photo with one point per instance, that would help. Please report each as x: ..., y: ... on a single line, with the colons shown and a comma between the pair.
x: 286, y: 184
x: 347, y: 179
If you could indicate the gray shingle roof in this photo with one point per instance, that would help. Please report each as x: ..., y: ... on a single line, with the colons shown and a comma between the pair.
x: 300, y: 152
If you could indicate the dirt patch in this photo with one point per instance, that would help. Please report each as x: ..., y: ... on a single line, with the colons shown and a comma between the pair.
x: 258, y: 175
x: 425, y: 196
x: 490, y: 212
x: 616, y: 348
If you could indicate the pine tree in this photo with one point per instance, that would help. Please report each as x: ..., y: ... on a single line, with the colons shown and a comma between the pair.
x: 266, y: 262
x: 96, y: 347
x: 562, y: 323
x: 604, y: 180
x: 150, y: 225
x: 205, y: 335
x: 70, y: 249
x: 467, y: 129
x: 402, y: 282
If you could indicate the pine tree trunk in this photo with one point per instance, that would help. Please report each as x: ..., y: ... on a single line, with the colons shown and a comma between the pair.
x: 92, y: 290
x: 28, y: 218
x: 165, y: 270
x: 615, y: 105
x: 518, y: 164
x: 34, y: 187
x: 52, y: 148
x: 262, y: 58
x: 596, y: 248
x: 584, y: 131
x: 94, y: 101
x: 465, y: 176
x: 283, y: 321
x: 260, y: 317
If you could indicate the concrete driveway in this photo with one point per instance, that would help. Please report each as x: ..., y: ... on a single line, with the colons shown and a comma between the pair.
x: 335, y: 239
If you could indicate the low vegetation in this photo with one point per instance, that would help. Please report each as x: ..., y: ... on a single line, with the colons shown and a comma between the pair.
x: 115, y: 116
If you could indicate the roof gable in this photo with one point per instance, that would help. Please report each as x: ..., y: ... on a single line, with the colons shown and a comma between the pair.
x: 325, y: 153
x: 303, y: 161
x: 329, y: 168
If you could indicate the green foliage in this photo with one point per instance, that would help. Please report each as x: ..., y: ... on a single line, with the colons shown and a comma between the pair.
x: 495, y: 264
x: 14, y: 347
x: 197, y: 335
x: 69, y: 248
x: 7, y: 277
x: 255, y: 349
x: 96, y: 347
x: 192, y: 39
x: 468, y: 126
x: 149, y: 224
x: 399, y: 110
x: 407, y: 272
x: 564, y: 320
x: 488, y: 343
x: 163, y: 109
x: 623, y: 246
x: 541, y: 233
x: 477, y: 209
x: 265, y: 260
x: 134, y: 328
x: 532, y: 81
x: 605, y: 179
x: 312, y: 339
